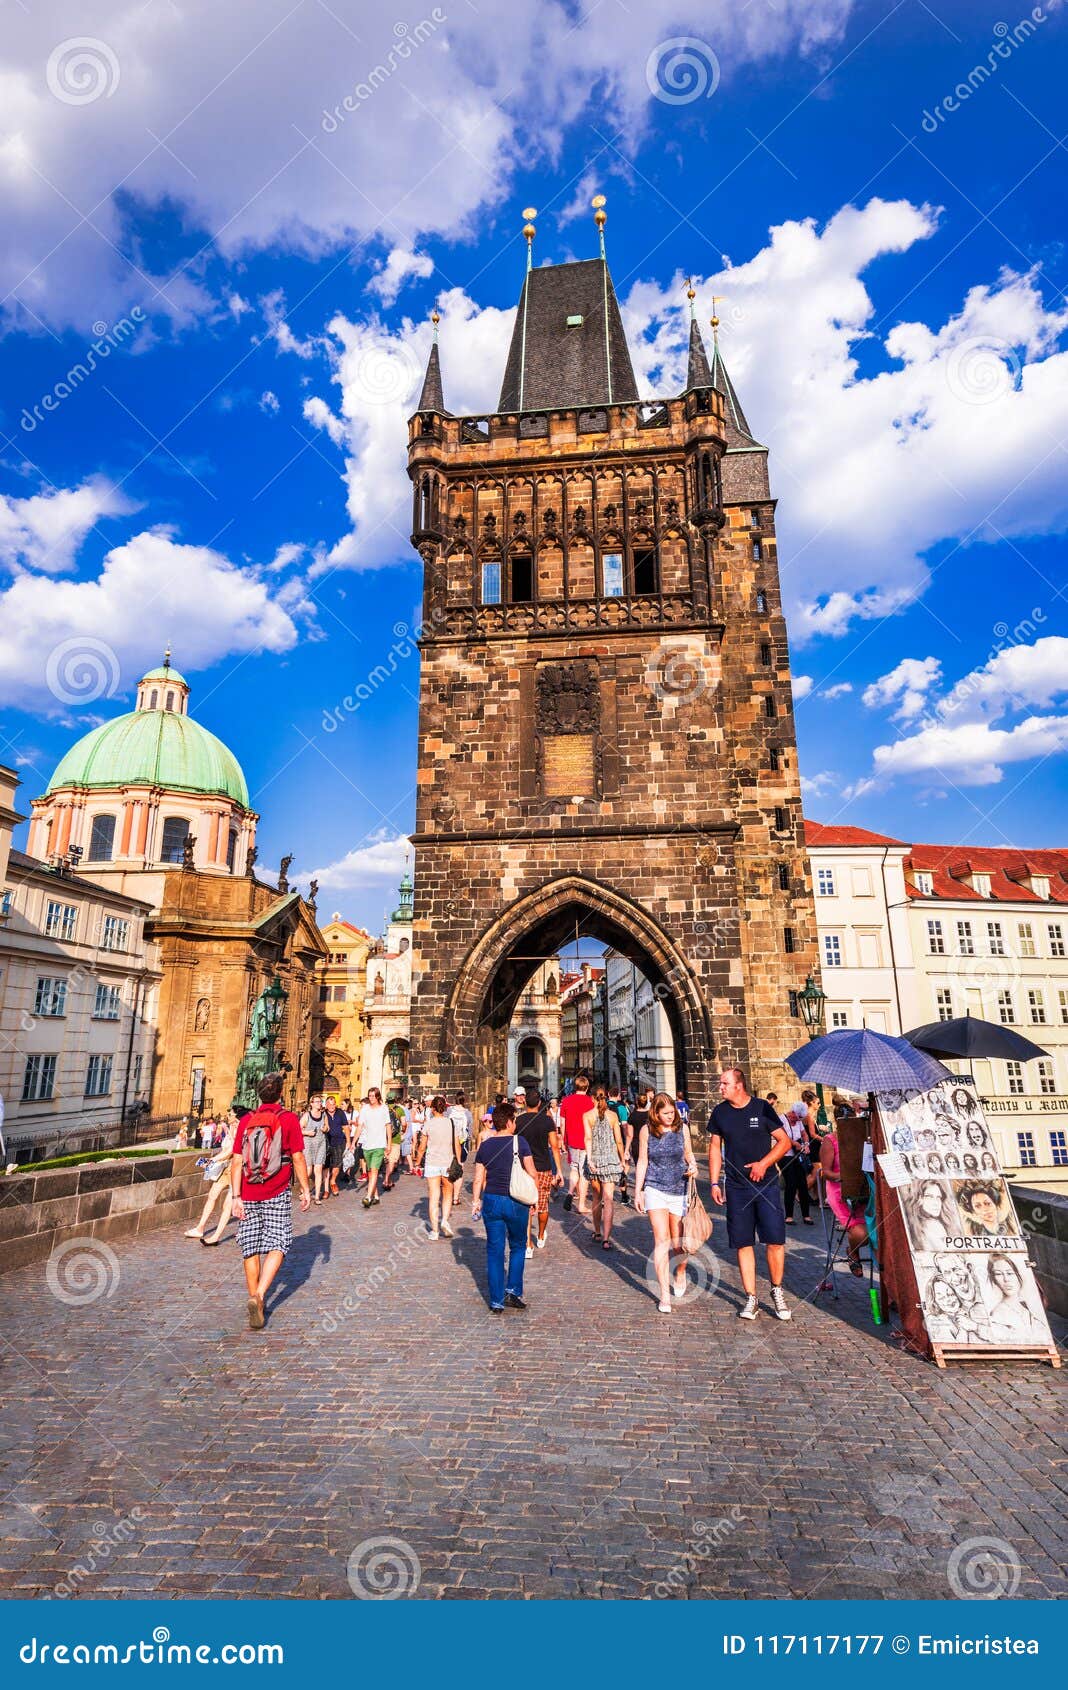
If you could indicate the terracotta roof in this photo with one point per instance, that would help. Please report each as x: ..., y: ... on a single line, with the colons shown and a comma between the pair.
x: 361, y: 932
x: 817, y: 834
x: 568, y: 345
x: 1007, y: 867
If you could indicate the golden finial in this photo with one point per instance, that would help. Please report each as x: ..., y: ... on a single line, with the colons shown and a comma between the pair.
x: 691, y: 294
x: 714, y: 320
x: 435, y: 319
x: 167, y: 656
x: 529, y: 212
x: 600, y: 217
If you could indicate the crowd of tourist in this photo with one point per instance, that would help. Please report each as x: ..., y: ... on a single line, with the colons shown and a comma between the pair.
x: 592, y: 1148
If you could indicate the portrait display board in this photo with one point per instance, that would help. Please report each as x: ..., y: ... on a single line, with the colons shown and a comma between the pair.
x: 973, y: 1284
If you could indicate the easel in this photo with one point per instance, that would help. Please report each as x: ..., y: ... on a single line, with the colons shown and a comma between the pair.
x: 994, y: 1352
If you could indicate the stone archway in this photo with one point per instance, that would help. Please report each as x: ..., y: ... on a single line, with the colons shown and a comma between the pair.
x: 473, y: 1042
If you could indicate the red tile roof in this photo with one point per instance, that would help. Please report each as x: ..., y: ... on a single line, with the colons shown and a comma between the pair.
x: 1007, y: 867
x: 817, y: 834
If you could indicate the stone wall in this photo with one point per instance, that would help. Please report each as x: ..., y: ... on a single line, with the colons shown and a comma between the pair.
x: 104, y: 1200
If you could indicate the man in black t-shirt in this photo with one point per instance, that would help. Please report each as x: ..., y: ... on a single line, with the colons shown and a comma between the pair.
x: 746, y: 1140
x: 539, y: 1129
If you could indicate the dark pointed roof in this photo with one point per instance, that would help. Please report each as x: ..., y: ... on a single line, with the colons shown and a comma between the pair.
x: 432, y: 398
x: 698, y: 373
x: 739, y: 434
x: 552, y: 363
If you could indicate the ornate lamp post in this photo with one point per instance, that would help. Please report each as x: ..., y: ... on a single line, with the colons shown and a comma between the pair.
x: 812, y: 1002
x: 274, y: 1003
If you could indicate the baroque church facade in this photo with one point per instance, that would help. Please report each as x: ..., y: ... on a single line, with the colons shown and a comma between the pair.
x: 607, y: 743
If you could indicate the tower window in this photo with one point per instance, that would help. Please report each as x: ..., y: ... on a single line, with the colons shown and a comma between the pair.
x: 758, y: 551
x: 765, y: 656
x: 612, y: 575
x: 175, y: 829
x: 102, y: 839
x: 762, y: 603
x: 774, y: 759
x: 231, y: 850
x: 788, y: 941
x: 153, y: 698
x: 645, y: 570
x: 784, y: 877
x: 769, y: 705
x: 170, y: 701
x: 522, y: 571
x: 491, y: 583
x: 780, y: 819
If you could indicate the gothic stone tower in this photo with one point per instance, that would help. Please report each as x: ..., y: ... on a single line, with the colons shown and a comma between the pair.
x: 606, y: 734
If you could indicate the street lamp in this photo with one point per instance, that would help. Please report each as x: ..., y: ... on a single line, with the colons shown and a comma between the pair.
x: 274, y: 1003
x: 812, y: 1002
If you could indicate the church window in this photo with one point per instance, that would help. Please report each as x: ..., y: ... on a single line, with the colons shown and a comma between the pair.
x: 645, y: 570
x: 231, y: 849
x: 153, y: 698
x: 175, y: 829
x: 491, y: 583
x: 170, y: 700
x: 102, y: 839
x: 612, y: 571
x: 522, y: 570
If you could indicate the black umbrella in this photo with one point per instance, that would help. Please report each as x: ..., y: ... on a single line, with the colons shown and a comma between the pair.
x: 967, y: 1035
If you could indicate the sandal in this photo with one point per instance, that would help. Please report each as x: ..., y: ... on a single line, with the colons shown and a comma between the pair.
x: 595, y: 1238
x: 607, y: 1244
x: 856, y: 1270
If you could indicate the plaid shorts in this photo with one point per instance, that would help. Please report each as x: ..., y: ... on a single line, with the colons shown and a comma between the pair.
x: 267, y: 1226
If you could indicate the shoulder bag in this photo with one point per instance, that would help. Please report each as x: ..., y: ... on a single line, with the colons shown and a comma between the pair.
x: 455, y: 1170
x: 697, y: 1222
x: 520, y: 1185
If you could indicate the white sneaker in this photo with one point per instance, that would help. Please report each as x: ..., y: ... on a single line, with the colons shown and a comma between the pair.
x: 679, y: 1289
x: 540, y: 1242
x: 447, y: 1230
x: 778, y: 1303
x: 749, y: 1310
x: 529, y: 1252
x: 433, y: 1234
x: 665, y: 1308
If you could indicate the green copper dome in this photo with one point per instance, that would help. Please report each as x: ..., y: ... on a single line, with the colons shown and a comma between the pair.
x: 165, y: 673
x: 153, y: 748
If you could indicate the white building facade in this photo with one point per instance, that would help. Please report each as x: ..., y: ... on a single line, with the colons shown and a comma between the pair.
x: 910, y: 934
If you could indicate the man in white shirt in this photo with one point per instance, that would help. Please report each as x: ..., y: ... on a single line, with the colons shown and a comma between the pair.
x: 374, y: 1129
x: 462, y: 1121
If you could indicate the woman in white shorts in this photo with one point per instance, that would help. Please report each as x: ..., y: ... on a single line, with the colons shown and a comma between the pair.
x: 665, y: 1163
x: 434, y: 1153
x: 313, y: 1124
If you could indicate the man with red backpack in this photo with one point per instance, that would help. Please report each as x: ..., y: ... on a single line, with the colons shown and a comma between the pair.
x: 268, y: 1146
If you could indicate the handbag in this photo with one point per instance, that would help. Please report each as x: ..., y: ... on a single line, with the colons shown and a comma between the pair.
x: 348, y: 1161
x: 455, y: 1169
x: 520, y: 1185
x: 697, y: 1222
x: 216, y: 1167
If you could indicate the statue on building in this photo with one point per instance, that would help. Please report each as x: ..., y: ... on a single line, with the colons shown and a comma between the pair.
x: 253, y: 1065
x: 201, y: 1015
x: 188, y: 847
x: 283, y: 873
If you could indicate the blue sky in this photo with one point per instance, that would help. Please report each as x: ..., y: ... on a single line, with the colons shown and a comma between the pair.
x: 256, y: 263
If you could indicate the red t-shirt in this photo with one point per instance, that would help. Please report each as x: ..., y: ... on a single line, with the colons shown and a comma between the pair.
x: 292, y: 1141
x: 574, y: 1108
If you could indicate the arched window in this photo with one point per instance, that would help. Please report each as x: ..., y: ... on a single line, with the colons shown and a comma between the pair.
x: 403, y: 946
x: 102, y: 839
x: 379, y: 986
x: 170, y: 700
x: 172, y: 849
x: 153, y: 698
x: 231, y: 849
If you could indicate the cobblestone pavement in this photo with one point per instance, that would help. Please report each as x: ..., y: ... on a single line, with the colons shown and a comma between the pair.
x: 151, y: 1444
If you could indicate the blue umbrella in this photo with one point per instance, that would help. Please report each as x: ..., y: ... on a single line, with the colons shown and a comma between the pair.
x: 860, y: 1061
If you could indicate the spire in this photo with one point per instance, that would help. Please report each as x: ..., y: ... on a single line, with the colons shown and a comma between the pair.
x: 432, y: 397
x: 698, y: 373
x: 739, y: 434
x: 404, y: 911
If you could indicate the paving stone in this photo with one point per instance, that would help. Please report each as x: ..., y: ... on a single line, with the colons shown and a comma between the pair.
x: 587, y: 1448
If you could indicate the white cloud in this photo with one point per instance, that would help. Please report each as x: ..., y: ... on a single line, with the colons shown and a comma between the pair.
x: 257, y: 147
x: 237, y: 306
x: 957, y: 441
x: 907, y: 684
x: 839, y: 690
x: 973, y: 753
x: 148, y: 591
x: 380, y: 862
x: 46, y: 531
x: 801, y: 686
x: 958, y: 736
x: 274, y: 312
x: 816, y: 786
x: 270, y: 402
x: 318, y: 412
x: 401, y: 266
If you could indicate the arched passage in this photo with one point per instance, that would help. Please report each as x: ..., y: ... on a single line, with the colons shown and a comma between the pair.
x: 498, y: 966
